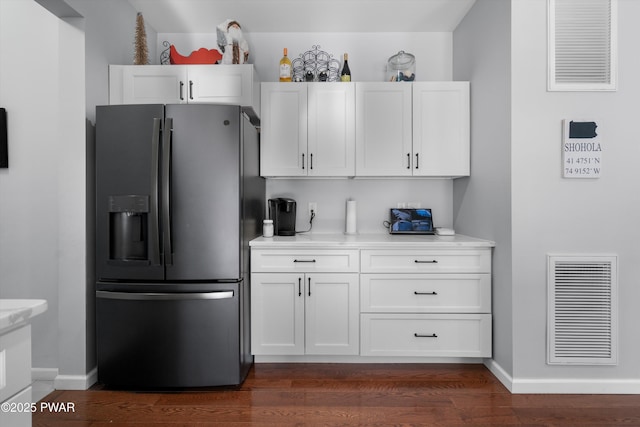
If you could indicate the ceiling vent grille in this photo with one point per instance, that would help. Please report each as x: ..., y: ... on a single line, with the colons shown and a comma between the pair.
x: 582, y: 45
x: 582, y: 310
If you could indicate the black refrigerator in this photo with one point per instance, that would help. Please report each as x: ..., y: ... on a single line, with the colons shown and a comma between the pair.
x: 178, y: 197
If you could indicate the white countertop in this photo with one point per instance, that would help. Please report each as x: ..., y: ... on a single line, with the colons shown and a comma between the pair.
x: 372, y: 240
x: 14, y: 312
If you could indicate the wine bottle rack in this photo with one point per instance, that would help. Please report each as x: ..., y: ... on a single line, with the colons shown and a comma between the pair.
x: 313, y: 63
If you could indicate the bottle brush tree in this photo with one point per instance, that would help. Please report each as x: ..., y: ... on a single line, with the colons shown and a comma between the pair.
x: 141, y: 53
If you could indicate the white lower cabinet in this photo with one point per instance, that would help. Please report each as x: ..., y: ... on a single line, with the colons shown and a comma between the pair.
x: 313, y: 313
x: 434, y: 303
x: 433, y: 335
x: 420, y: 301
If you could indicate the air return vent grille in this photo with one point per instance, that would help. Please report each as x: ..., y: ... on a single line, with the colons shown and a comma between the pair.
x: 582, y: 310
x: 582, y: 45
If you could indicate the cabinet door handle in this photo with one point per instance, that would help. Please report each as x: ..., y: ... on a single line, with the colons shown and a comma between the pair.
x: 303, y: 161
x: 181, y: 91
x: 433, y: 261
x: 417, y: 335
x: 309, y: 286
x: 304, y: 260
x: 299, y: 286
x: 424, y: 293
x: 408, y: 160
x: 417, y: 160
x: 311, y: 161
x: 190, y: 89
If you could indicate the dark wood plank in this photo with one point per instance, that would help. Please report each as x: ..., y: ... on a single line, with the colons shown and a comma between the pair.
x: 344, y: 395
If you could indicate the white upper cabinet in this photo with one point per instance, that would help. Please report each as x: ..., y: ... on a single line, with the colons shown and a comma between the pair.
x: 182, y: 84
x: 283, y: 133
x: 308, y: 129
x: 383, y: 129
x: 412, y: 129
x: 331, y: 129
x: 441, y: 129
x: 153, y: 84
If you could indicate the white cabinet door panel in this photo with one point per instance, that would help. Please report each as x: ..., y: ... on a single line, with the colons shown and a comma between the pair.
x: 332, y: 315
x: 277, y: 315
x: 425, y: 261
x: 283, y: 146
x: 221, y: 85
x: 425, y: 293
x: 154, y: 84
x: 436, y: 335
x: 441, y: 129
x: 331, y: 132
x: 304, y: 260
x: 383, y: 129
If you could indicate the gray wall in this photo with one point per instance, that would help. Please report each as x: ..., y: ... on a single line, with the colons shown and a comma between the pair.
x: 46, y: 210
x: 482, y: 203
x: 518, y: 197
x: 551, y: 214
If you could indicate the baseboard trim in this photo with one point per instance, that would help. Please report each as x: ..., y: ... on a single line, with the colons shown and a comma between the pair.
x: 362, y: 359
x: 65, y: 382
x: 562, y: 385
x: 44, y: 374
x: 499, y: 373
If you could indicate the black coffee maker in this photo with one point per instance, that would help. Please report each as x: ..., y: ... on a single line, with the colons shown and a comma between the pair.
x: 283, y: 213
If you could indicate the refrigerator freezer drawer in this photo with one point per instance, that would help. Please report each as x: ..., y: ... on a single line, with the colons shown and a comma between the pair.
x: 168, y: 340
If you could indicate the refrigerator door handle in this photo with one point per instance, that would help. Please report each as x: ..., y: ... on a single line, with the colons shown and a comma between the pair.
x: 154, y: 235
x: 166, y: 191
x: 162, y: 296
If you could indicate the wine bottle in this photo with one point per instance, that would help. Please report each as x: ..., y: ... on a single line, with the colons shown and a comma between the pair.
x: 285, y: 68
x: 345, y: 75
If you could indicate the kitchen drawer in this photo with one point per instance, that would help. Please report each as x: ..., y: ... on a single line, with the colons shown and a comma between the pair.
x: 275, y: 260
x: 432, y: 335
x: 15, y: 361
x: 422, y: 293
x: 426, y: 261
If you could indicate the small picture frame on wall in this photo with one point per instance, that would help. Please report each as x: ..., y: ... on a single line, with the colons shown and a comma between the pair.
x: 581, y: 149
x: 4, y: 149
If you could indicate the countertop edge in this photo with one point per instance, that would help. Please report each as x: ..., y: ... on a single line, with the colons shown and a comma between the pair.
x: 18, y: 312
x: 367, y: 241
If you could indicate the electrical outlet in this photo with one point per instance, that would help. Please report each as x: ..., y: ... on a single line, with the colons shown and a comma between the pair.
x: 313, y: 206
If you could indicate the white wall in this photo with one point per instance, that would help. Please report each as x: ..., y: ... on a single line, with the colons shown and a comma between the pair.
x: 374, y: 197
x: 368, y: 52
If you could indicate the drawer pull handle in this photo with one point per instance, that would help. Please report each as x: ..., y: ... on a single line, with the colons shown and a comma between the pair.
x: 424, y: 293
x: 304, y: 260
x: 425, y: 336
x: 433, y: 261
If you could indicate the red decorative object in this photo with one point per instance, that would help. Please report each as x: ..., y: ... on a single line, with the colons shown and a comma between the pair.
x: 200, y: 56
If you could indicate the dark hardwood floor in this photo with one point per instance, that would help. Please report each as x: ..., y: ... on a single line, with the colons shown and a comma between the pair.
x: 344, y: 395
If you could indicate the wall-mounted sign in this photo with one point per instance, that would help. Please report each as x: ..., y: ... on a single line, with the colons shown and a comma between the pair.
x: 581, y: 149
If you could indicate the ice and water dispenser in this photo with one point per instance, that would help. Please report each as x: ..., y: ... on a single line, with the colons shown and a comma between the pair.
x: 128, y: 231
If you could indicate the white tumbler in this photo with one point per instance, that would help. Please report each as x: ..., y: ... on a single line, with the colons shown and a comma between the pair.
x: 351, y: 217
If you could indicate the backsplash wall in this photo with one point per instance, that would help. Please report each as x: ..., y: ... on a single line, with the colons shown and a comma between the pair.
x: 374, y: 198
